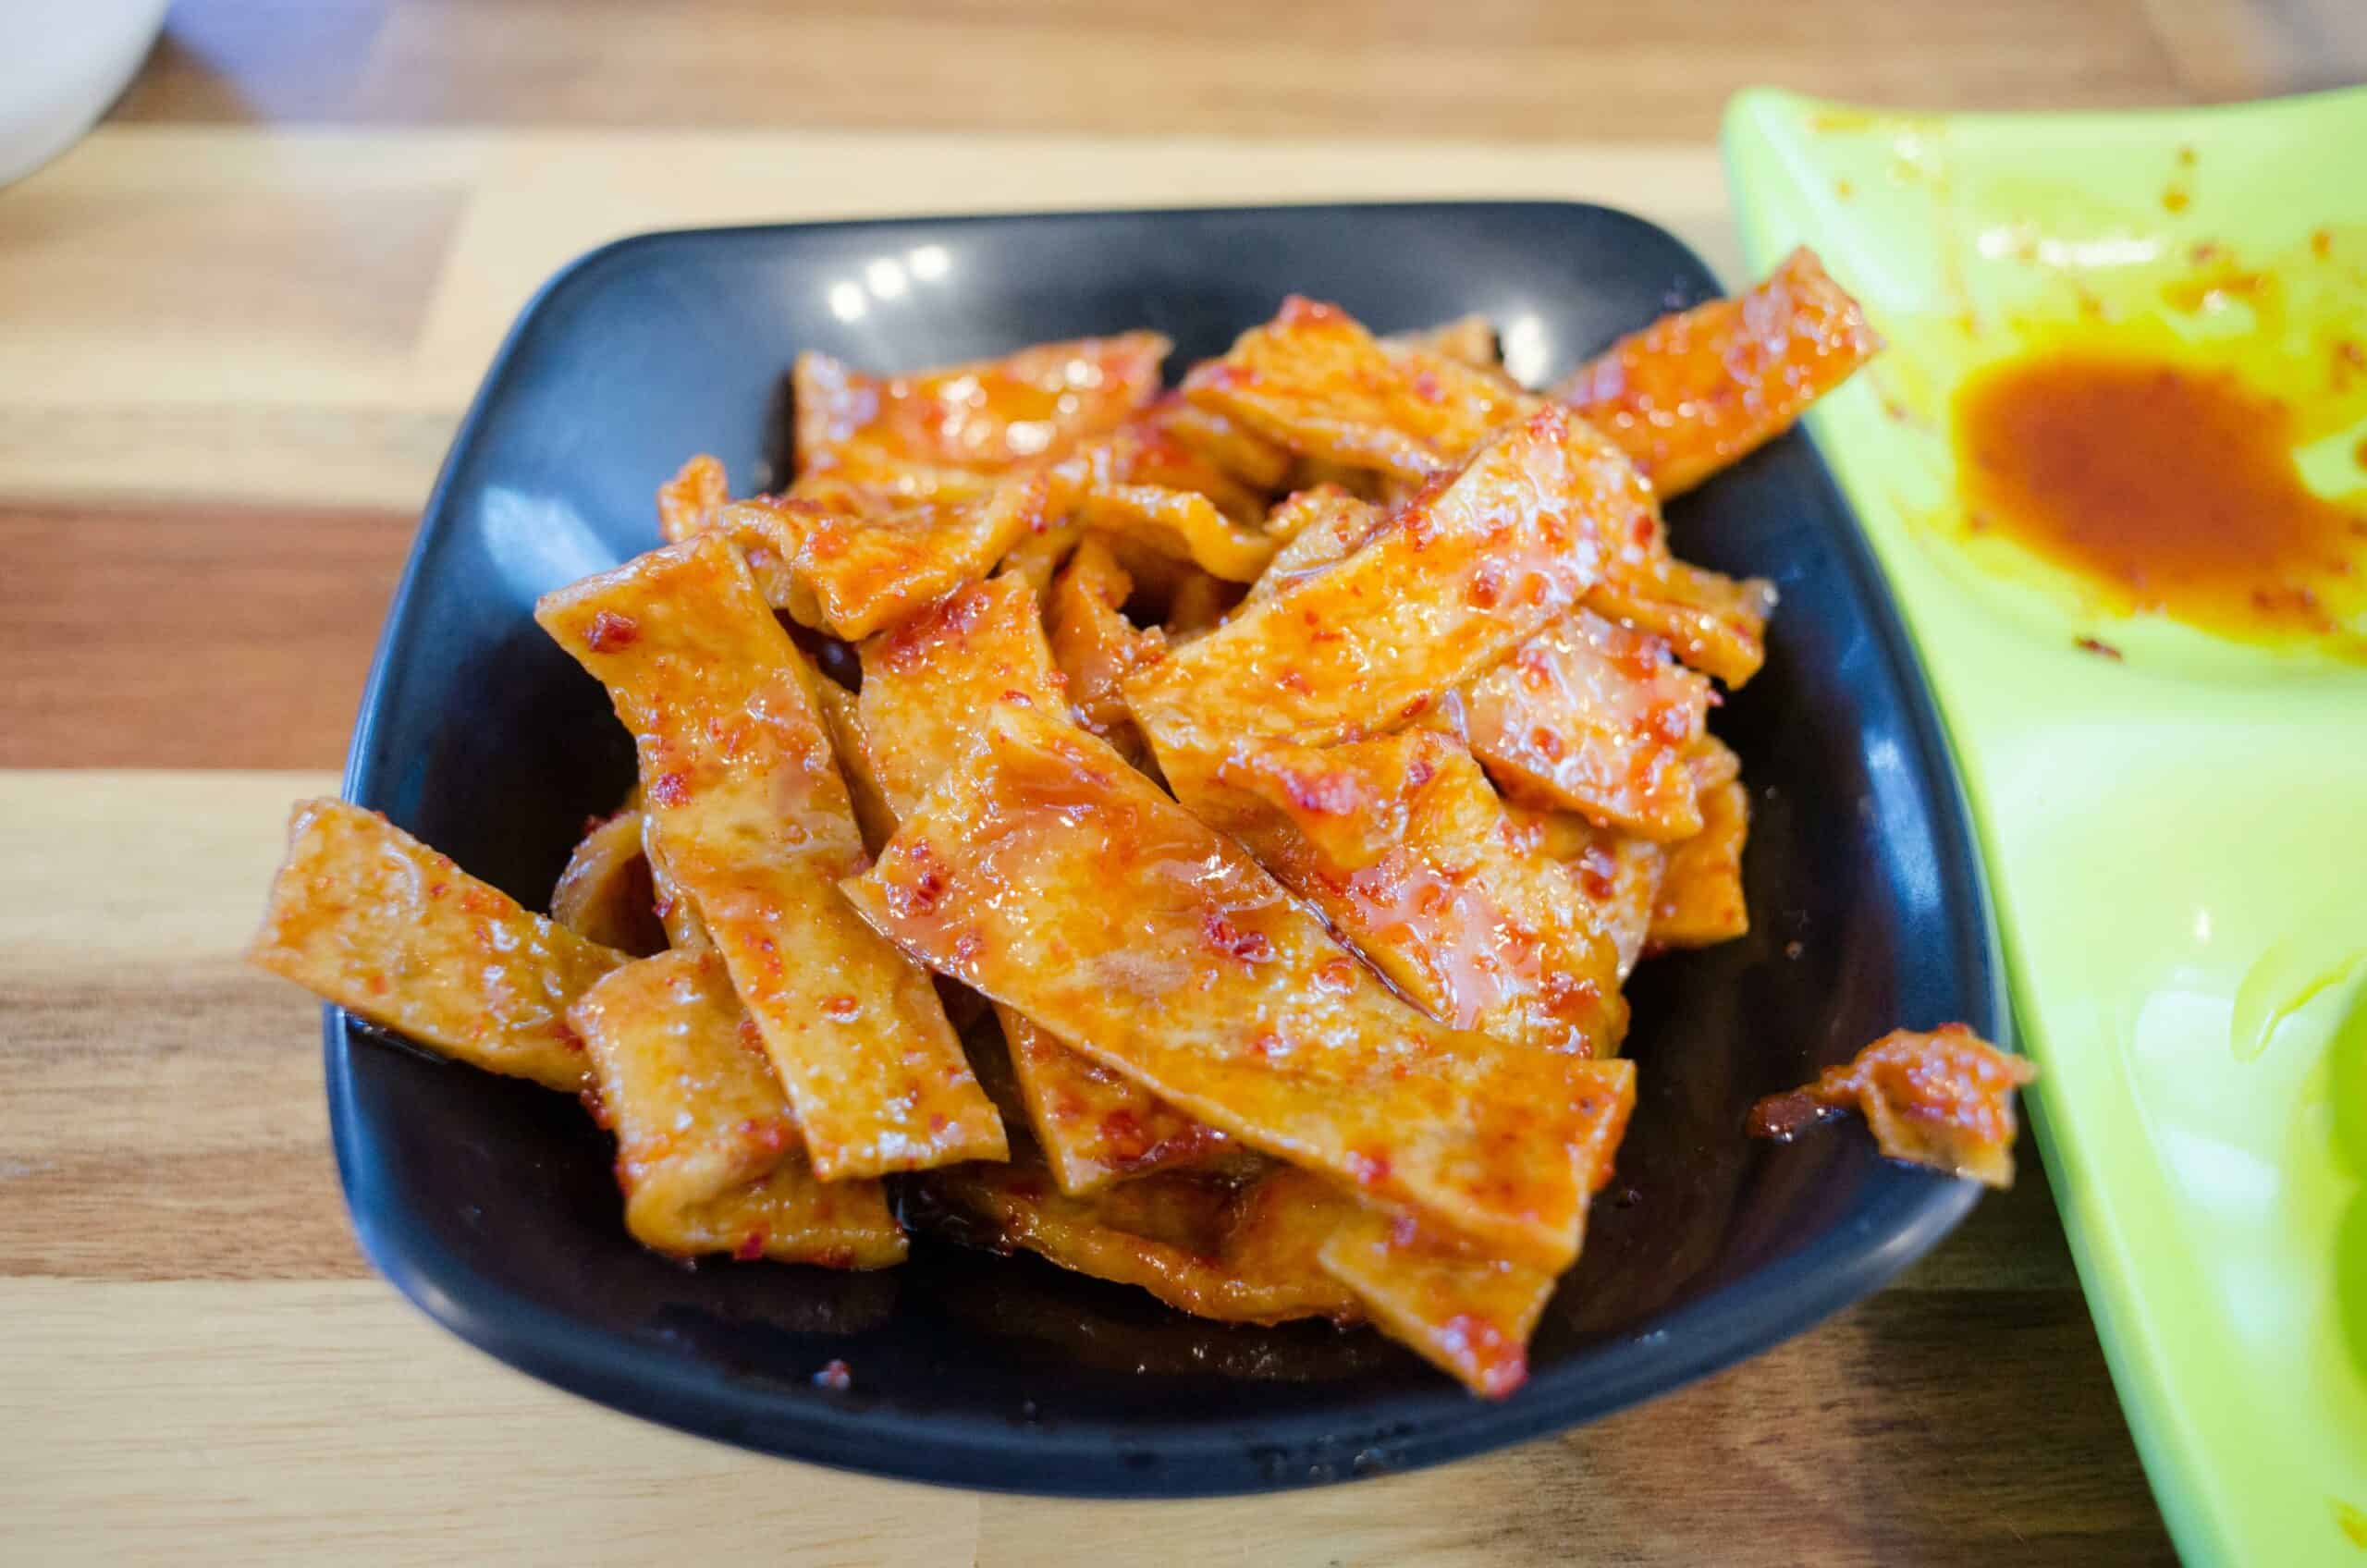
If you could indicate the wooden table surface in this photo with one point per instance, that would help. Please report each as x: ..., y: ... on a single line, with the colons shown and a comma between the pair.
x: 238, y: 325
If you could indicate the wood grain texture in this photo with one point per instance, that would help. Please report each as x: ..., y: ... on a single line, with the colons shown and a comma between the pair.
x: 189, y: 635
x: 1485, y: 69
x: 326, y: 1421
x: 349, y: 398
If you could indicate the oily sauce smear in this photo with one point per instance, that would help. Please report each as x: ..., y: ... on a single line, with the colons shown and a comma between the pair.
x: 2172, y: 486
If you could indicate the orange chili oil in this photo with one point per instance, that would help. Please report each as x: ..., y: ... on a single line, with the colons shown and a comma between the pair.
x: 2172, y: 486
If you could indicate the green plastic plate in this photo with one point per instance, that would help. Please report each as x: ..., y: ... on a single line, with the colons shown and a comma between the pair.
x: 2176, y: 822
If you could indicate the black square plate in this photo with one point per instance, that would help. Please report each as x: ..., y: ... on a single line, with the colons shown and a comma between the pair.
x: 490, y: 1202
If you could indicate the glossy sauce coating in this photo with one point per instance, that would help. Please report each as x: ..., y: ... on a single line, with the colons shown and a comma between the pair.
x: 1404, y: 848
x: 686, y: 501
x: 1314, y: 380
x: 1316, y: 526
x: 841, y: 715
x: 708, y: 1152
x: 756, y: 826
x: 1454, y: 582
x: 1180, y: 523
x: 1715, y: 623
x: 848, y: 559
x: 1593, y: 715
x: 1471, y: 1317
x: 1618, y: 874
x: 1048, y: 873
x: 1464, y: 1312
x: 1701, y: 902
x: 605, y: 894
x: 1944, y: 1099
x: 927, y: 683
x: 1173, y: 445
x: 1694, y: 391
x: 368, y: 917
x: 1096, y: 646
x: 2172, y: 487
x: 1249, y: 462
x: 987, y: 417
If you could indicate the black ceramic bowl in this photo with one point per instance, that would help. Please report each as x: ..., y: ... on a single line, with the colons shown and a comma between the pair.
x: 490, y: 1202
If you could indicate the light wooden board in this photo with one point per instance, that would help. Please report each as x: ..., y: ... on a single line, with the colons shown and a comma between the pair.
x: 342, y: 348
x: 1480, y: 69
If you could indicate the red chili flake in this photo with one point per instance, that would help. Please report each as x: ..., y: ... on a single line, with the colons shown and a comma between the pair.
x: 610, y: 631
x: 1596, y: 872
x: 1335, y: 974
x: 835, y: 1376
x: 567, y: 1035
x: 951, y: 619
x: 2091, y: 645
x: 1546, y: 744
x: 920, y: 895
x: 1487, y: 587
x: 751, y: 1247
x: 1123, y: 1133
x: 842, y: 1008
x: 1566, y: 994
x: 436, y: 890
x: 1499, y: 1361
x: 1369, y: 1169
x: 1250, y: 946
x: 1324, y: 794
x: 767, y: 1132
x: 670, y: 788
